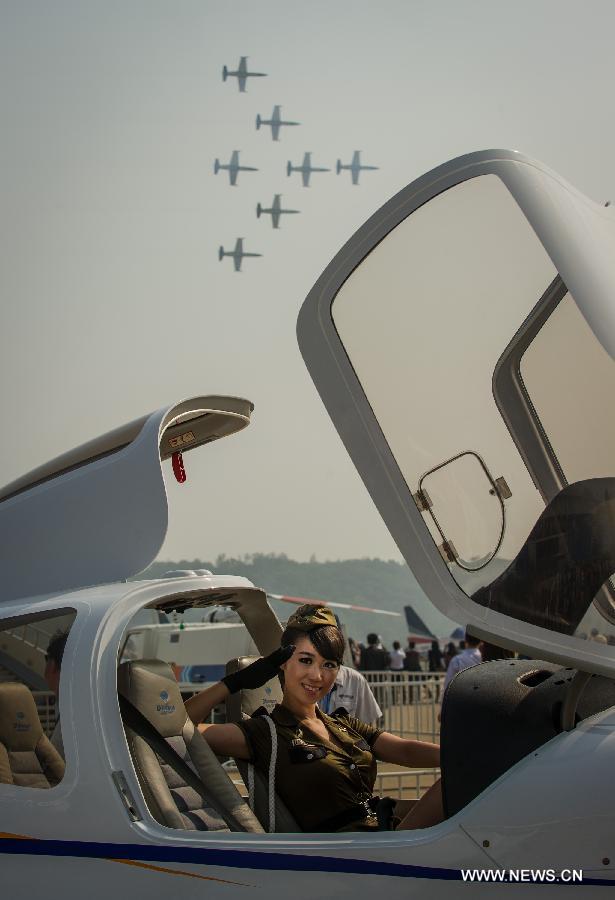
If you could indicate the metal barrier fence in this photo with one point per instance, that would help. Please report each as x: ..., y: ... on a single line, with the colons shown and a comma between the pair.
x: 410, y: 702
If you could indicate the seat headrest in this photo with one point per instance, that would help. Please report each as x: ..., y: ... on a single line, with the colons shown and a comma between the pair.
x: 20, y: 727
x: 251, y: 700
x: 151, y: 687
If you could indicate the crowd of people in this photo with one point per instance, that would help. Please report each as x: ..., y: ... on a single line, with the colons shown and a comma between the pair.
x: 375, y: 657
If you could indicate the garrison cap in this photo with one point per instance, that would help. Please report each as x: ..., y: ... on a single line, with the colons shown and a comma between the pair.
x: 307, y: 620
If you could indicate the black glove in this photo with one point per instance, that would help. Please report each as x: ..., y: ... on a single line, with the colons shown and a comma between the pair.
x: 259, y: 672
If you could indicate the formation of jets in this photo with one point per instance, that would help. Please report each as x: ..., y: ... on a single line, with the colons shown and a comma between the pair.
x: 355, y: 166
x: 241, y: 73
x: 232, y: 167
x: 275, y: 121
x: 275, y: 211
x: 305, y: 168
x: 238, y: 254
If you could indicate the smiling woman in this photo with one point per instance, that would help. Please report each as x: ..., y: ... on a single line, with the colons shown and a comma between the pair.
x: 324, y: 766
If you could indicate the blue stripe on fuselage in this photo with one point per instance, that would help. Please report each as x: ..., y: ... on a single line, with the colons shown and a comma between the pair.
x: 237, y: 859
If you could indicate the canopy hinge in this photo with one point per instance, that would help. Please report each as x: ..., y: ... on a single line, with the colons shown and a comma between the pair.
x: 448, y: 552
x: 422, y: 500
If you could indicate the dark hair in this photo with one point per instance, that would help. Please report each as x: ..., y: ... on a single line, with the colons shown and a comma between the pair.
x: 471, y: 639
x: 372, y: 638
x: 327, y: 639
x: 397, y: 645
x: 55, y: 648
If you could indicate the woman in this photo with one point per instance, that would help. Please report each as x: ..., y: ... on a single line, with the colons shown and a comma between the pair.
x: 326, y: 765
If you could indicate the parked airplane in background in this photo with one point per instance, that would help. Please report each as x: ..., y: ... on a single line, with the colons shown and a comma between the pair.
x: 306, y: 169
x: 355, y: 166
x: 275, y: 211
x: 241, y: 73
x: 233, y: 167
x: 275, y: 121
x: 238, y: 254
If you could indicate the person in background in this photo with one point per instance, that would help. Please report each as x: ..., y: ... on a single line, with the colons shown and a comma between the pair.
x: 53, y: 665
x: 398, y: 657
x: 355, y: 652
x: 374, y: 657
x: 351, y: 694
x: 435, y: 657
x: 412, y: 663
x: 449, y: 652
x: 412, y: 659
x: 435, y: 665
x: 470, y: 656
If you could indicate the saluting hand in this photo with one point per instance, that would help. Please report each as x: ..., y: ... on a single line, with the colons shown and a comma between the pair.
x: 259, y: 672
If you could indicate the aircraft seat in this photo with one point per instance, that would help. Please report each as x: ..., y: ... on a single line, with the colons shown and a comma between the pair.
x: 496, y: 713
x: 240, y: 706
x: 27, y: 756
x: 151, y: 688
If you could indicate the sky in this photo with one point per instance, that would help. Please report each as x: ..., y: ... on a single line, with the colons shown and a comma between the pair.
x: 114, y: 302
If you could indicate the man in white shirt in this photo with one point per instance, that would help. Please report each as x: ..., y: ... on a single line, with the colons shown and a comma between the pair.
x: 398, y: 658
x: 470, y: 656
x: 352, y: 692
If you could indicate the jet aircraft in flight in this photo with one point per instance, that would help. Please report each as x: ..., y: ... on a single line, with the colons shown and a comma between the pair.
x: 238, y: 254
x: 355, y: 166
x: 275, y: 211
x: 306, y: 169
x: 275, y: 121
x: 241, y: 74
x: 233, y: 167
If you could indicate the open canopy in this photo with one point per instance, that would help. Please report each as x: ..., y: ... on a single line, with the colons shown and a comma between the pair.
x: 462, y: 343
x: 98, y: 514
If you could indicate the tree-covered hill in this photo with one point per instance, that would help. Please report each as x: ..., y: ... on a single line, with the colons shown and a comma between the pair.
x: 383, y: 584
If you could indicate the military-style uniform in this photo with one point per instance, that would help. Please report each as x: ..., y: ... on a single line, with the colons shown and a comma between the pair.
x: 326, y: 785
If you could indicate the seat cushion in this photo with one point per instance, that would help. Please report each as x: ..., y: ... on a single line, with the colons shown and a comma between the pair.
x: 27, y: 757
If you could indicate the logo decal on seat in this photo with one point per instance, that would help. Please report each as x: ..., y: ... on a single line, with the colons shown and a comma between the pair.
x: 20, y: 725
x: 164, y: 707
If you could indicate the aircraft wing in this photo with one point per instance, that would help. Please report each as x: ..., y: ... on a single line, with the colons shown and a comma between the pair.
x: 237, y: 257
x: 355, y: 174
x: 299, y: 601
x: 275, y: 130
x: 232, y: 175
x: 242, y: 72
x: 275, y: 217
x: 305, y: 174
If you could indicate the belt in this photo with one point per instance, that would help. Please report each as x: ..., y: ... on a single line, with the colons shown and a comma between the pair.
x: 359, y: 812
